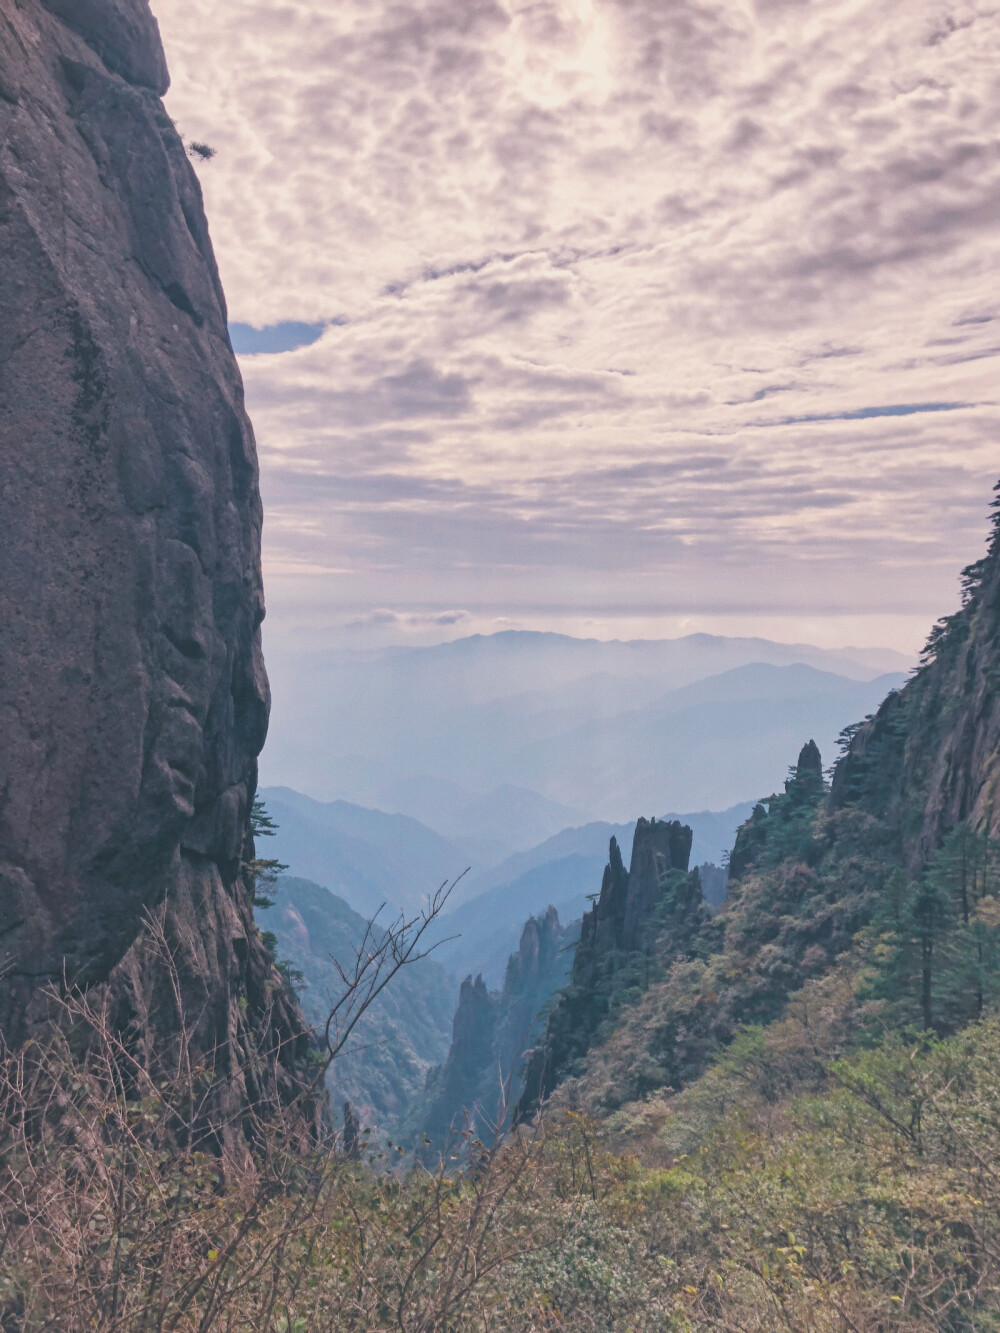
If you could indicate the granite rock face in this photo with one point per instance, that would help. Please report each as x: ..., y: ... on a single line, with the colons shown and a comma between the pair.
x: 534, y: 974
x: 628, y: 898
x: 656, y: 892
x: 133, y: 698
x: 930, y: 757
x: 480, y: 1081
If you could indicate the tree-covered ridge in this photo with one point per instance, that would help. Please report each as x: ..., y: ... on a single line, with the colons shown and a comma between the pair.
x: 809, y: 881
x: 929, y: 758
x: 656, y: 904
x: 873, y: 874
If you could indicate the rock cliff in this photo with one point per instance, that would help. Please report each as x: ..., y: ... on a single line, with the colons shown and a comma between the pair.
x: 481, y: 1077
x: 655, y: 895
x: 133, y: 696
x: 930, y: 757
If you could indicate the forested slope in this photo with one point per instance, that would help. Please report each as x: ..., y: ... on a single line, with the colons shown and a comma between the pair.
x: 401, y: 1037
x: 888, y: 875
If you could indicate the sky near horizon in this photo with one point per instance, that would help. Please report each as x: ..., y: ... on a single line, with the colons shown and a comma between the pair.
x: 624, y: 318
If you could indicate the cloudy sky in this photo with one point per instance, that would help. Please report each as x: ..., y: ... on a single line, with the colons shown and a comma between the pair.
x: 617, y: 317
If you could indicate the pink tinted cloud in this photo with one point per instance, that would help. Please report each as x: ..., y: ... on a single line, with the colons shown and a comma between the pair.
x: 624, y: 285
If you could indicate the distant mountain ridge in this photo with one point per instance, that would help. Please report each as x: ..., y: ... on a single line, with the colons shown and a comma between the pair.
x: 367, y: 857
x: 708, y: 744
x: 492, y: 737
x: 507, y: 819
x: 865, y: 662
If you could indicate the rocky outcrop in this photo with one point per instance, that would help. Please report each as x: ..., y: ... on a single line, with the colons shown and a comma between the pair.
x: 133, y: 696
x: 455, y: 1086
x: 616, y: 925
x: 656, y: 896
x: 481, y: 1079
x: 534, y: 974
x: 805, y: 789
x: 930, y: 757
x: 714, y: 884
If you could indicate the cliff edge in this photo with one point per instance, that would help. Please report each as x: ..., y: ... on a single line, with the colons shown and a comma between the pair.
x: 133, y: 695
x: 929, y: 758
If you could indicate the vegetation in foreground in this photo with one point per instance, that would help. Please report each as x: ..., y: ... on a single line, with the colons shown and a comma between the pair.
x: 789, y: 1118
x: 787, y: 1189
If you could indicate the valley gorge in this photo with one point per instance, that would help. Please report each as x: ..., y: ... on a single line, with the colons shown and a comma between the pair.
x: 476, y: 1089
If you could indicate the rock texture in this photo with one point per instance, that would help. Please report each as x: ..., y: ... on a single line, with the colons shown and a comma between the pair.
x: 541, y: 965
x: 133, y: 698
x: 656, y: 894
x: 930, y: 757
x: 481, y: 1078
x: 471, y: 1041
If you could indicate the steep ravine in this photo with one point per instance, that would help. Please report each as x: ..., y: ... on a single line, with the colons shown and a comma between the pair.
x: 133, y: 697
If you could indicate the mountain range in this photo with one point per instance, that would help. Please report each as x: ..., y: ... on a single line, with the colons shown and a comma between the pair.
x: 372, y: 860
x: 509, y: 738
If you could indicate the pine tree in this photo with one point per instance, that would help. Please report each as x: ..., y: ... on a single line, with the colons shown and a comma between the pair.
x: 938, y: 963
x: 966, y: 869
x: 919, y: 918
x: 262, y: 873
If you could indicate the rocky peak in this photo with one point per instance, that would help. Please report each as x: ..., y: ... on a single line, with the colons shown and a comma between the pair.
x: 541, y: 938
x: 656, y: 893
x: 526, y: 958
x: 751, y: 837
x: 453, y: 1088
x: 605, y: 922
x: 805, y: 786
x: 658, y: 848
x: 472, y: 1028
x: 629, y: 897
x: 481, y: 1077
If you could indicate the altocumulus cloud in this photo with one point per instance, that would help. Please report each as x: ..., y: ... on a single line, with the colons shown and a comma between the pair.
x: 696, y: 291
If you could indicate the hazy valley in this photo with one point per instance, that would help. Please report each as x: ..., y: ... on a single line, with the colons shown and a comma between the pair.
x: 591, y: 736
